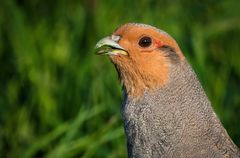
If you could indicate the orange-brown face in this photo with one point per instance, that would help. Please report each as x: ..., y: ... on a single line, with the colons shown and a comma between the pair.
x: 142, y: 55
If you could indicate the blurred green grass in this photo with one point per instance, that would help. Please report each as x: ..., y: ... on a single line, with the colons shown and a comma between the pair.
x: 59, y: 100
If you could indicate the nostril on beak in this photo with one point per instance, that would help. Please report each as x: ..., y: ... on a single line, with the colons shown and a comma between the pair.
x: 115, y: 38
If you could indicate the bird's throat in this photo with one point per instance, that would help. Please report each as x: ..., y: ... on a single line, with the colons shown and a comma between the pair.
x: 143, y: 77
x: 135, y: 85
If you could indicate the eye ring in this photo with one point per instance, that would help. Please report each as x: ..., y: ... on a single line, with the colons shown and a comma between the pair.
x: 145, y: 42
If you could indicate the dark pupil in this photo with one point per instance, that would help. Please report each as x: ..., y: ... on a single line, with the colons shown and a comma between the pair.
x: 145, y: 42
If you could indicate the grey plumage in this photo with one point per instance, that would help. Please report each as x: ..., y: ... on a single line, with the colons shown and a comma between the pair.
x: 176, y: 120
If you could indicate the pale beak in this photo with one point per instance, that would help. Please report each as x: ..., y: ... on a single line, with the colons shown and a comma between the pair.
x: 109, y: 46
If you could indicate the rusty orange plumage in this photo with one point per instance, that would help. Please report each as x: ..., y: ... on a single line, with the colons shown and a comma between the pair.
x: 166, y: 112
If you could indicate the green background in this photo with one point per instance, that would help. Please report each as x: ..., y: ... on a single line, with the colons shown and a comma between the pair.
x: 57, y: 99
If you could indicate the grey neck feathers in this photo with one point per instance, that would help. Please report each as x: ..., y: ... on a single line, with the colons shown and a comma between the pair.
x: 176, y: 120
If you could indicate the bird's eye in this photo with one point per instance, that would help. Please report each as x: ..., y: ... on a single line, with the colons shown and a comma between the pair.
x: 145, y: 42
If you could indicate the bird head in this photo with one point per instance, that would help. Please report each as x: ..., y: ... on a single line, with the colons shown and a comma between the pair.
x: 143, y: 56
